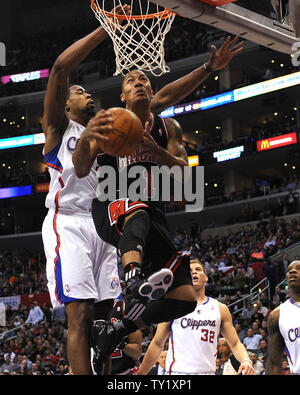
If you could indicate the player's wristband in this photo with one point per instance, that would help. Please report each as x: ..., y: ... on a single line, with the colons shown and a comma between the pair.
x: 247, y: 360
x: 207, y: 68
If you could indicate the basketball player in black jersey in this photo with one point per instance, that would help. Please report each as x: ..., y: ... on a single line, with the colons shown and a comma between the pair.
x: 138, y: 229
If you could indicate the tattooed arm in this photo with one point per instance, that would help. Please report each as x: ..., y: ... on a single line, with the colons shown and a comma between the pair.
x: 276, y: 345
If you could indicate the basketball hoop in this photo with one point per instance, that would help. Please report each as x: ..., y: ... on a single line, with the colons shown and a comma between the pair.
x: 138, y: 38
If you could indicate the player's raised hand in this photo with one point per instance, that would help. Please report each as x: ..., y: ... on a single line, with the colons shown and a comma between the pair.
x: 220, y: 58
x: 115, y: 23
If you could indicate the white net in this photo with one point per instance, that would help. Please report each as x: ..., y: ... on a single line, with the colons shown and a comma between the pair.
x: 138, y: 40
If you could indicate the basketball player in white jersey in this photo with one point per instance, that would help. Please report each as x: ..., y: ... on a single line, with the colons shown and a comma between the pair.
x: 284, y: 327
x: 193, y: 338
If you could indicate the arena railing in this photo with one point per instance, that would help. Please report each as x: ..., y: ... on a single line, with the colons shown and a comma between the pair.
x: 13, y: 333
x: 252, y: 297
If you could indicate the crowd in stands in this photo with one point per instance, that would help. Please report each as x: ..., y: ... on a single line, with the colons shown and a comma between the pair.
x: 276, y: 206
x: 38, y: 342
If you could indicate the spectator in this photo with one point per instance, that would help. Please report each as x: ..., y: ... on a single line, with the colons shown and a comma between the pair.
x: 240, y: 281
x: 262, y: 352
x: 35, y: 314
x: 219, y: 367
x: 35, y: 370
x: 258, y: 366
x: 256, y: 314
x: 160, y: 367
x: 264, y: 334
x: 62, y: 367
x: 262, y: 309
x: 50, y: 357
x: 269, y: 271
x: 285, y: 367
x: 2, y: 360
x: 251, y: 341
x: 280, y: 295
x: 285, y: 263
x: 239, y: 332
x: 23, y: 369
x: 249, y: 273
x: 248, y: 311
x: 230, y: 363
x: 8, y: 365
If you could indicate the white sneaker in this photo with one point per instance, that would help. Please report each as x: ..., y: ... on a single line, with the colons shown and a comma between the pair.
x: 157, y: 284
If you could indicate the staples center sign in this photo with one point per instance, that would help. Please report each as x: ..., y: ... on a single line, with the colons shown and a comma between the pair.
x: 276, y: 142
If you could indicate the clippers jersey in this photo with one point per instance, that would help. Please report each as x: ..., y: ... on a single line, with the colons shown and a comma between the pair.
x: 193, y: 341
x: 159, y: 132
x: 289, y: 326
x: 66, y: 191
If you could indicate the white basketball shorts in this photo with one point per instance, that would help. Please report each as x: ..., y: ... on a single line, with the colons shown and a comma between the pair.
x: 80, y: 265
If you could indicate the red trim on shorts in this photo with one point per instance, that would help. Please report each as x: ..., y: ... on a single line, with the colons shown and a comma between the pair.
x: 120, y: 207
x: 171, y: 261
x: 173, y: 352
x: 177, y: 265
x: 57, y: 236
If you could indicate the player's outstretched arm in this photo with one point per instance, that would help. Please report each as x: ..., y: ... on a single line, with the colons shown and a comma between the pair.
x: 91, y: 142
x: 275, y: 345
x: 155, y: 348
x: 55, y: 119
x: 237, y: 348
x: 176, y: 91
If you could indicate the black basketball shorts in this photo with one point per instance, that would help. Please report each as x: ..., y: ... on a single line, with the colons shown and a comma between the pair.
x: 160, y: 251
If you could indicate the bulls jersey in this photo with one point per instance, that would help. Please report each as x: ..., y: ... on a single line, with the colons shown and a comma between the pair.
x: 193, y: 340
x: 66, y: 191
x: 159, y: 132
x: 289, y: 326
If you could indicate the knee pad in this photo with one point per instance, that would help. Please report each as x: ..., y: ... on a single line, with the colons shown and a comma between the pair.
x: 165, y: 310
x: 135, y: 233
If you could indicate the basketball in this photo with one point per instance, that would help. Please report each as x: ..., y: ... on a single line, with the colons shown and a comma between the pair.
x: 126, y: 134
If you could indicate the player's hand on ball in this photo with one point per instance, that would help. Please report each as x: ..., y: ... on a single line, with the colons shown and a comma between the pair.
x: 99, y: 125
x: 149, y: 146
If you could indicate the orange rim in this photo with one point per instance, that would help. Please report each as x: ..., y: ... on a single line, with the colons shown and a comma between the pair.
x: 162, y: 14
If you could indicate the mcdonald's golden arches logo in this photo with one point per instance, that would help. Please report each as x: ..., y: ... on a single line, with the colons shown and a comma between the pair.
x: 264, y: 145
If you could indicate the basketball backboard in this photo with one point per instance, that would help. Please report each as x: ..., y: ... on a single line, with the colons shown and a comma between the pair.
x: 246, y: 21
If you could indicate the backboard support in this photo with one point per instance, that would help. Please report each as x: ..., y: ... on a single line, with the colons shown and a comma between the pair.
x: 238, y: 20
